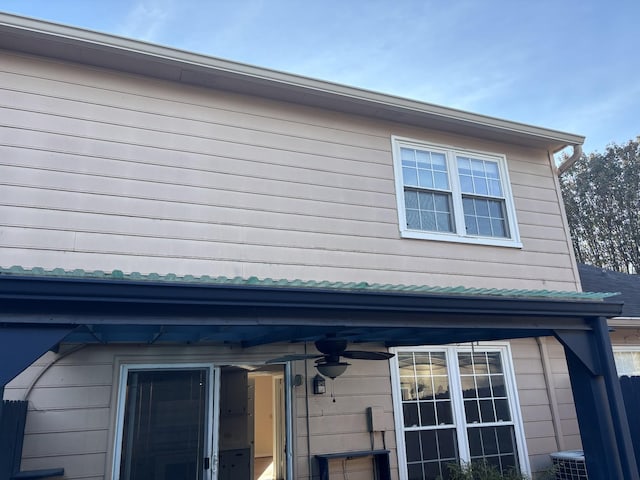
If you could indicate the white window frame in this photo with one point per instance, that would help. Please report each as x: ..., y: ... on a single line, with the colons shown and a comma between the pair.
x: 213, y: 392
x: 459, y: 235
x: 624, y: 348
x: 457, y: 402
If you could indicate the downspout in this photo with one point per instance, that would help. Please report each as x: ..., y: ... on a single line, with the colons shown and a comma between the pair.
x: 568, y: 163
x: 551, y: 392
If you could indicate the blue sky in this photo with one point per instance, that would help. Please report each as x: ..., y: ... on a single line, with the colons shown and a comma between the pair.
x: 564, y: 64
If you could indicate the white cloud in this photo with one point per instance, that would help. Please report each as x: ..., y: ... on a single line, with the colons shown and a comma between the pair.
x: 146, y: 20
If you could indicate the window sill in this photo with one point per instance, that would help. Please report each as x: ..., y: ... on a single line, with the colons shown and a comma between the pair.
x: 444, y: 237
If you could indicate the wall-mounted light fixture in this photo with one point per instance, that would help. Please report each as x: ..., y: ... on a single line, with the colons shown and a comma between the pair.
x: 319, y: 385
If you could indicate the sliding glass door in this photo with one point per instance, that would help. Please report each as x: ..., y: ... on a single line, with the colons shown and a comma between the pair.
x: 165, y: 424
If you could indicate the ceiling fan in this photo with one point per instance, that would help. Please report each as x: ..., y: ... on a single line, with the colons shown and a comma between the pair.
x: 328, y: 361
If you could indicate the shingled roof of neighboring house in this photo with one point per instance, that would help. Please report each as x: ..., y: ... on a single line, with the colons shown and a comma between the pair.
x: 600, y: 279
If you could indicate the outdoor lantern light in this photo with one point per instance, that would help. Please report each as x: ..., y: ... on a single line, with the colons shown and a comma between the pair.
x: 332, y: 369
x: 319, y: 385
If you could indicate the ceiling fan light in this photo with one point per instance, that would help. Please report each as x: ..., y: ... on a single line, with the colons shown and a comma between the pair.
x: 332, y: 369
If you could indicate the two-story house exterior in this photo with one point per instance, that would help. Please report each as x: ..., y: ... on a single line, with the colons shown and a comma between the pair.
x: 176, y: 231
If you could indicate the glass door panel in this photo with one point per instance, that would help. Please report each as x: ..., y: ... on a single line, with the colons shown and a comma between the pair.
x: 165, y: 423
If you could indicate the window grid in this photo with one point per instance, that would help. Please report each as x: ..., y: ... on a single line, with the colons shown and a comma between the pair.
x: 431, y: 439
x: 490, y: 439
x: 471, y: 189
x: 427, y: 194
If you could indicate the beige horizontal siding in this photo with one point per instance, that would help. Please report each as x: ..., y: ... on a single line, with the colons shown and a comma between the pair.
x: 534, y: 403
x: 122, y: 172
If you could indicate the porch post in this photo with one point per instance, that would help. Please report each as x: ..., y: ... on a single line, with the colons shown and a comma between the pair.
x: 604, y: 430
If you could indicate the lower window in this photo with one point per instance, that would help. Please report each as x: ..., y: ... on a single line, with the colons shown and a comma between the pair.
x: 458, y: 406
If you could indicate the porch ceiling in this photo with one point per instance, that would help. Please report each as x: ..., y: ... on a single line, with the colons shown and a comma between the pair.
x: 103, y: 309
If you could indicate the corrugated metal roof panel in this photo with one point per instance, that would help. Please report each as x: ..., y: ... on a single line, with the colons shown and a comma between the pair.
x: 305, y: 284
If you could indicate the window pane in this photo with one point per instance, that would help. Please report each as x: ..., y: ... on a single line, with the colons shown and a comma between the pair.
x: 425, y: 388
x: 443, y: 222
x: 432, y: 470
x: 481, y: 177
x: 465, y: 364
x: 410, y: 176
x: 498, y: 228
x: 495, y: 189
x: 411, y: 199
x: 444, y: 413
x: 426, y: 201
x: 441, y: 202
x: 439, y: 162
x: 429, y: 445
x: 477, y: 168
x: 412, y: 445
x: 413, y: 218
x: 466, y: 183
x: 502, y: 410
x: 480, y: 186
x: 485, y: 217
x: 415, y: 471
x: 482, y: 382
x: 492, y: 169
x: 447, y: 444
x: 496, y: 210
x: 468, y: 387
x: 495, y: 445
x: 408, y: 157
x: 495, y: 362
x: 441, y: 385
x: 410, y: 412
x: 407, y: 389
x: 497, y: 385
x: 422, y: 159
x: 484, y: 226
x: 489, y: 441
x: 471, y: 411
x: 482, y: 208
x: 425, y: 178
x: 441, y: 180
x: 424, y: 168
x: 427, y: 414
x: 429, y: 221
x: 487, y: 414
x: 428, y: 211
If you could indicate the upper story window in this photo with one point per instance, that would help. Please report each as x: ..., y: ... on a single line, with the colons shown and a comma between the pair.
x: 452, y: 194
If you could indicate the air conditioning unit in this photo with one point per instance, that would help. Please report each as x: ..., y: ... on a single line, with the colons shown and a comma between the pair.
x: 569, y: 465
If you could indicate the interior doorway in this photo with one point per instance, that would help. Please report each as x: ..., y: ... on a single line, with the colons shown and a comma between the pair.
x: 252, y: 430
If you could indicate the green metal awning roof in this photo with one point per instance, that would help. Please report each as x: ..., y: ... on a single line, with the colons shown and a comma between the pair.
x: 304, y: 284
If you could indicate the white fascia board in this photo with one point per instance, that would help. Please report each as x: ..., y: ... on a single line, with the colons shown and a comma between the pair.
x: 15, y: 28
x: 621, y: 322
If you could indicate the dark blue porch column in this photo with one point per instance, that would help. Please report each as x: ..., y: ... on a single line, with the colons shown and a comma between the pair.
x: 599, y: 404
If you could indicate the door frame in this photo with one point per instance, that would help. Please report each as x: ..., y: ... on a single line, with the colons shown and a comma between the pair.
x: 212, y: 400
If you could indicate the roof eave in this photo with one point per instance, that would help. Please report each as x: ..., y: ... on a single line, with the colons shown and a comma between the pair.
x: 108, y: 51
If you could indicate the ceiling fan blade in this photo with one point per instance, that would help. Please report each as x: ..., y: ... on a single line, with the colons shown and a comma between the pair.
x: 292, y: 358
x: 363, y: 355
